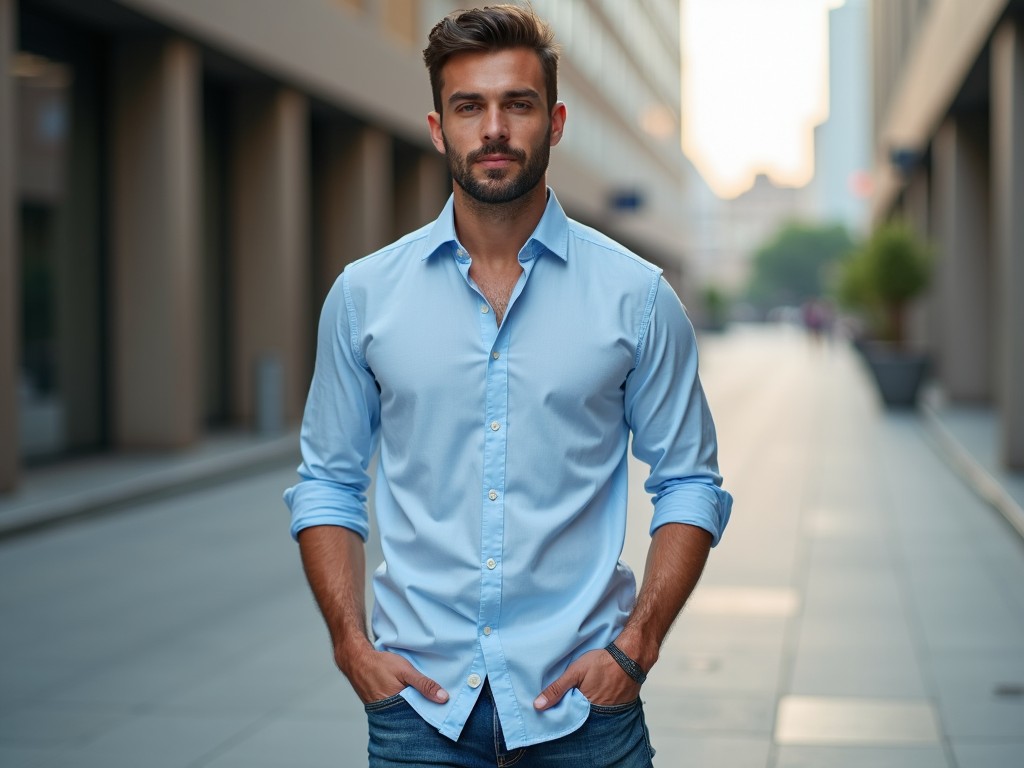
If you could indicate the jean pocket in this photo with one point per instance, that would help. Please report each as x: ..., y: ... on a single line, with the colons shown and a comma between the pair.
x: 382, y: 704
x: 614, y: 709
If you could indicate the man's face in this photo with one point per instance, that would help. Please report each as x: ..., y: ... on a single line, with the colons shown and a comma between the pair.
x: 496, y: 132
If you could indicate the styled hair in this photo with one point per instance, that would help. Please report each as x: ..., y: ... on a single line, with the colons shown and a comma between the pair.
x: 490, y: 29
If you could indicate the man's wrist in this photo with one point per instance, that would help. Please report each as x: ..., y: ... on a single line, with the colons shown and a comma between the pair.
x: 352, y: 652
x: 628, y: 665
x: 640, y: 648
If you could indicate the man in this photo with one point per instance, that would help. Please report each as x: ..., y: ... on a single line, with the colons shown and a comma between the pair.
x: 500, y: 357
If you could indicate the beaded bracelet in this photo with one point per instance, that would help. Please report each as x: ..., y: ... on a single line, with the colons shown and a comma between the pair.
x: 629, y: 666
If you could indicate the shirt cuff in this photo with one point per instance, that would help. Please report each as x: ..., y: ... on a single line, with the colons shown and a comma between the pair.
x: 694, y: 503
x: 315, y: 502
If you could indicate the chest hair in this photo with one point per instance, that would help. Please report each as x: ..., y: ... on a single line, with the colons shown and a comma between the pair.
x: 497, y: 289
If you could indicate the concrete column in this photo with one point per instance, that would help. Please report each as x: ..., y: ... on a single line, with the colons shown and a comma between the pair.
x: 269, y: 262
x: 1008, y: 230
x: 10, y: 273
x: 962, y: 280
x: 421, y: 192
x: 922, y: 315
x: 79, y: 271
x: 155, y: 244
x: 356, y: 198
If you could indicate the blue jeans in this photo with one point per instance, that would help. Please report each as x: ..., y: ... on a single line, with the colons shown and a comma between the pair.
x: 612, y: 737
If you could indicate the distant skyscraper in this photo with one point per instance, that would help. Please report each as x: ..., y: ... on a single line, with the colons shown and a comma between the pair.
x: 842, y: 152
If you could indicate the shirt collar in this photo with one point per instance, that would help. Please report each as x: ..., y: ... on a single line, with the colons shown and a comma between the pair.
x: 551, y: 234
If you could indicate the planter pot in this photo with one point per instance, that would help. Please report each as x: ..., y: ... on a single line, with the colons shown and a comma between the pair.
x: 898, y: 373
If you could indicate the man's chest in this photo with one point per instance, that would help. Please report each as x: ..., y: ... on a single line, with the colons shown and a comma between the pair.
x: 555, y: 348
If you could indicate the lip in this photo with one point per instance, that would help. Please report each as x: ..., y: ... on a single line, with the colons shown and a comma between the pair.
x: 495, y: 161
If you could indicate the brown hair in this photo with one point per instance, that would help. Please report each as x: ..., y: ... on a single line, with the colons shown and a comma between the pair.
x: 494, y: 28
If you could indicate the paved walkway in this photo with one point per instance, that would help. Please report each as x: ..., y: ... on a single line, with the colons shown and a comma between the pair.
x: 864, y: 608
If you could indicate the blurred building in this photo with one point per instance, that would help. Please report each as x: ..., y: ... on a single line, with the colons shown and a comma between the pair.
x: 748, y: 222
x: 182, y: 180
x: 949, y: 157
x: 842, y: 144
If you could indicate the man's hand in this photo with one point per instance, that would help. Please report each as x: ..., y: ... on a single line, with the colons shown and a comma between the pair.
x: 335, y: 564
x: 597, y: 676
x: 377, y: 675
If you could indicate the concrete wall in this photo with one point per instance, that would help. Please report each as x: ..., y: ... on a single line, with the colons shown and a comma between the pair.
x: 1008, y: 230
x: 10, y: 280
x: 963, y: 279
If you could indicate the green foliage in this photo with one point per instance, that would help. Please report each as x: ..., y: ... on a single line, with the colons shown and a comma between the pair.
x: 882, y: 277
x: 716, y: 307
x: 795, y: 264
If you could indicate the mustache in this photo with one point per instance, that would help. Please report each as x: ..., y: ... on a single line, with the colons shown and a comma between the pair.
x: 497, y: 148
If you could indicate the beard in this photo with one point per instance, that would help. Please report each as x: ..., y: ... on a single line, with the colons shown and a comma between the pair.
x: 500, y: 185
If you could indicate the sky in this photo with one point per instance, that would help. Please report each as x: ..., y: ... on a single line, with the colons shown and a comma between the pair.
x: 755, y: 83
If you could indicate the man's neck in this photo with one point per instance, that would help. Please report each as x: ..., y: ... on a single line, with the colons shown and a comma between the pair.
x: 494, y: 234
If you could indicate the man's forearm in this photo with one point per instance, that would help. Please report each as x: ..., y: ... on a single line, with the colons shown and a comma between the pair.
x: 675, y: 562
x: 335, y: 563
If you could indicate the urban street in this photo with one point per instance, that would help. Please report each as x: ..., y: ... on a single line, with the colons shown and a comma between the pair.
x: 860, y: 610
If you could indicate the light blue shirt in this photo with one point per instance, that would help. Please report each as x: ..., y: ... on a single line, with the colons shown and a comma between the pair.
x: 501, y: 481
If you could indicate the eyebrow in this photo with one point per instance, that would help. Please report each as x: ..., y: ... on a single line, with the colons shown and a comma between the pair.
x: 521, y: 93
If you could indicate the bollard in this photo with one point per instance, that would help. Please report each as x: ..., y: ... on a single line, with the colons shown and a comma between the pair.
x: 269, y: 395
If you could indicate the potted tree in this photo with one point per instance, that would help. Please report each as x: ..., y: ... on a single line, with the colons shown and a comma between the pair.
x: 882, y: 278
x: 716, y: 308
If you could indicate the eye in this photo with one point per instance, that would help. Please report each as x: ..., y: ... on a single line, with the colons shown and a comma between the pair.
x: 466, y: 108
x: 520, y: 105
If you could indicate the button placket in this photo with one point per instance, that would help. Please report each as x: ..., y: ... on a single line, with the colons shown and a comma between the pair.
x: 493, y: 524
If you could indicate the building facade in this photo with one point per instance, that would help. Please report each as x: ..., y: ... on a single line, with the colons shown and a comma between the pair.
x: 842, y: 144
x: 948, y: 91
x: 182, y: 180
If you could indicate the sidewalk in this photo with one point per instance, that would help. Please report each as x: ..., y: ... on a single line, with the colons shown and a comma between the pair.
x: 968, y: 438
x: 865, y: 606
x: 863, y: 609
x: 75, y: 488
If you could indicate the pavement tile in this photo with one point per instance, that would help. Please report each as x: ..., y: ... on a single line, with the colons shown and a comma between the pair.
x: 262, y: 685
x: 153, y: 741
x: 45, y: 726
x: 671, y: 712
x: 24, y: 757
x: 334, y: 699
x: 864, y: 757
x: 677, y: 750
x: 296, y: 743
x: 826, y: 720
x: 879, y: 630
x: 867, y: 672
x: 988, y: 755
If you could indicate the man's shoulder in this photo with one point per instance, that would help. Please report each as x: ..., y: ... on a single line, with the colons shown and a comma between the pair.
x: 409, y: 246
x: 614, y: 254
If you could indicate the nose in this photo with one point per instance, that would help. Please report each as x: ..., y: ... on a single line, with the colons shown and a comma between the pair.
x: 495, y: 126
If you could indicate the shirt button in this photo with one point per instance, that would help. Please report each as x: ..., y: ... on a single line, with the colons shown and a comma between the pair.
x: 492, y: 495
x: 495, y: 354
x: 484, y: 309
x: 495, y: 426
x: 474, y: 680
x: 491, y: 563
x: 487, y: 631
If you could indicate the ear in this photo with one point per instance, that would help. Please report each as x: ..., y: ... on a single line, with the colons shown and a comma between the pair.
x: 557, y: 122
x: 434, y: 121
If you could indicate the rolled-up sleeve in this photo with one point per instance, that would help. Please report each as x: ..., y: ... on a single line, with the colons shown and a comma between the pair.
x: 339, y: 425
x: 673, y: 431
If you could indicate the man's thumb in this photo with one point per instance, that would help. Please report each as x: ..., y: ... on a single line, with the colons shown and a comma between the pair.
x: 554, y: 692
x: 428, y: 687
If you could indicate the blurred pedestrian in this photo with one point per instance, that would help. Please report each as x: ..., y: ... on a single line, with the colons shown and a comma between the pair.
x: 501, y: 357
x: 817, y: 319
